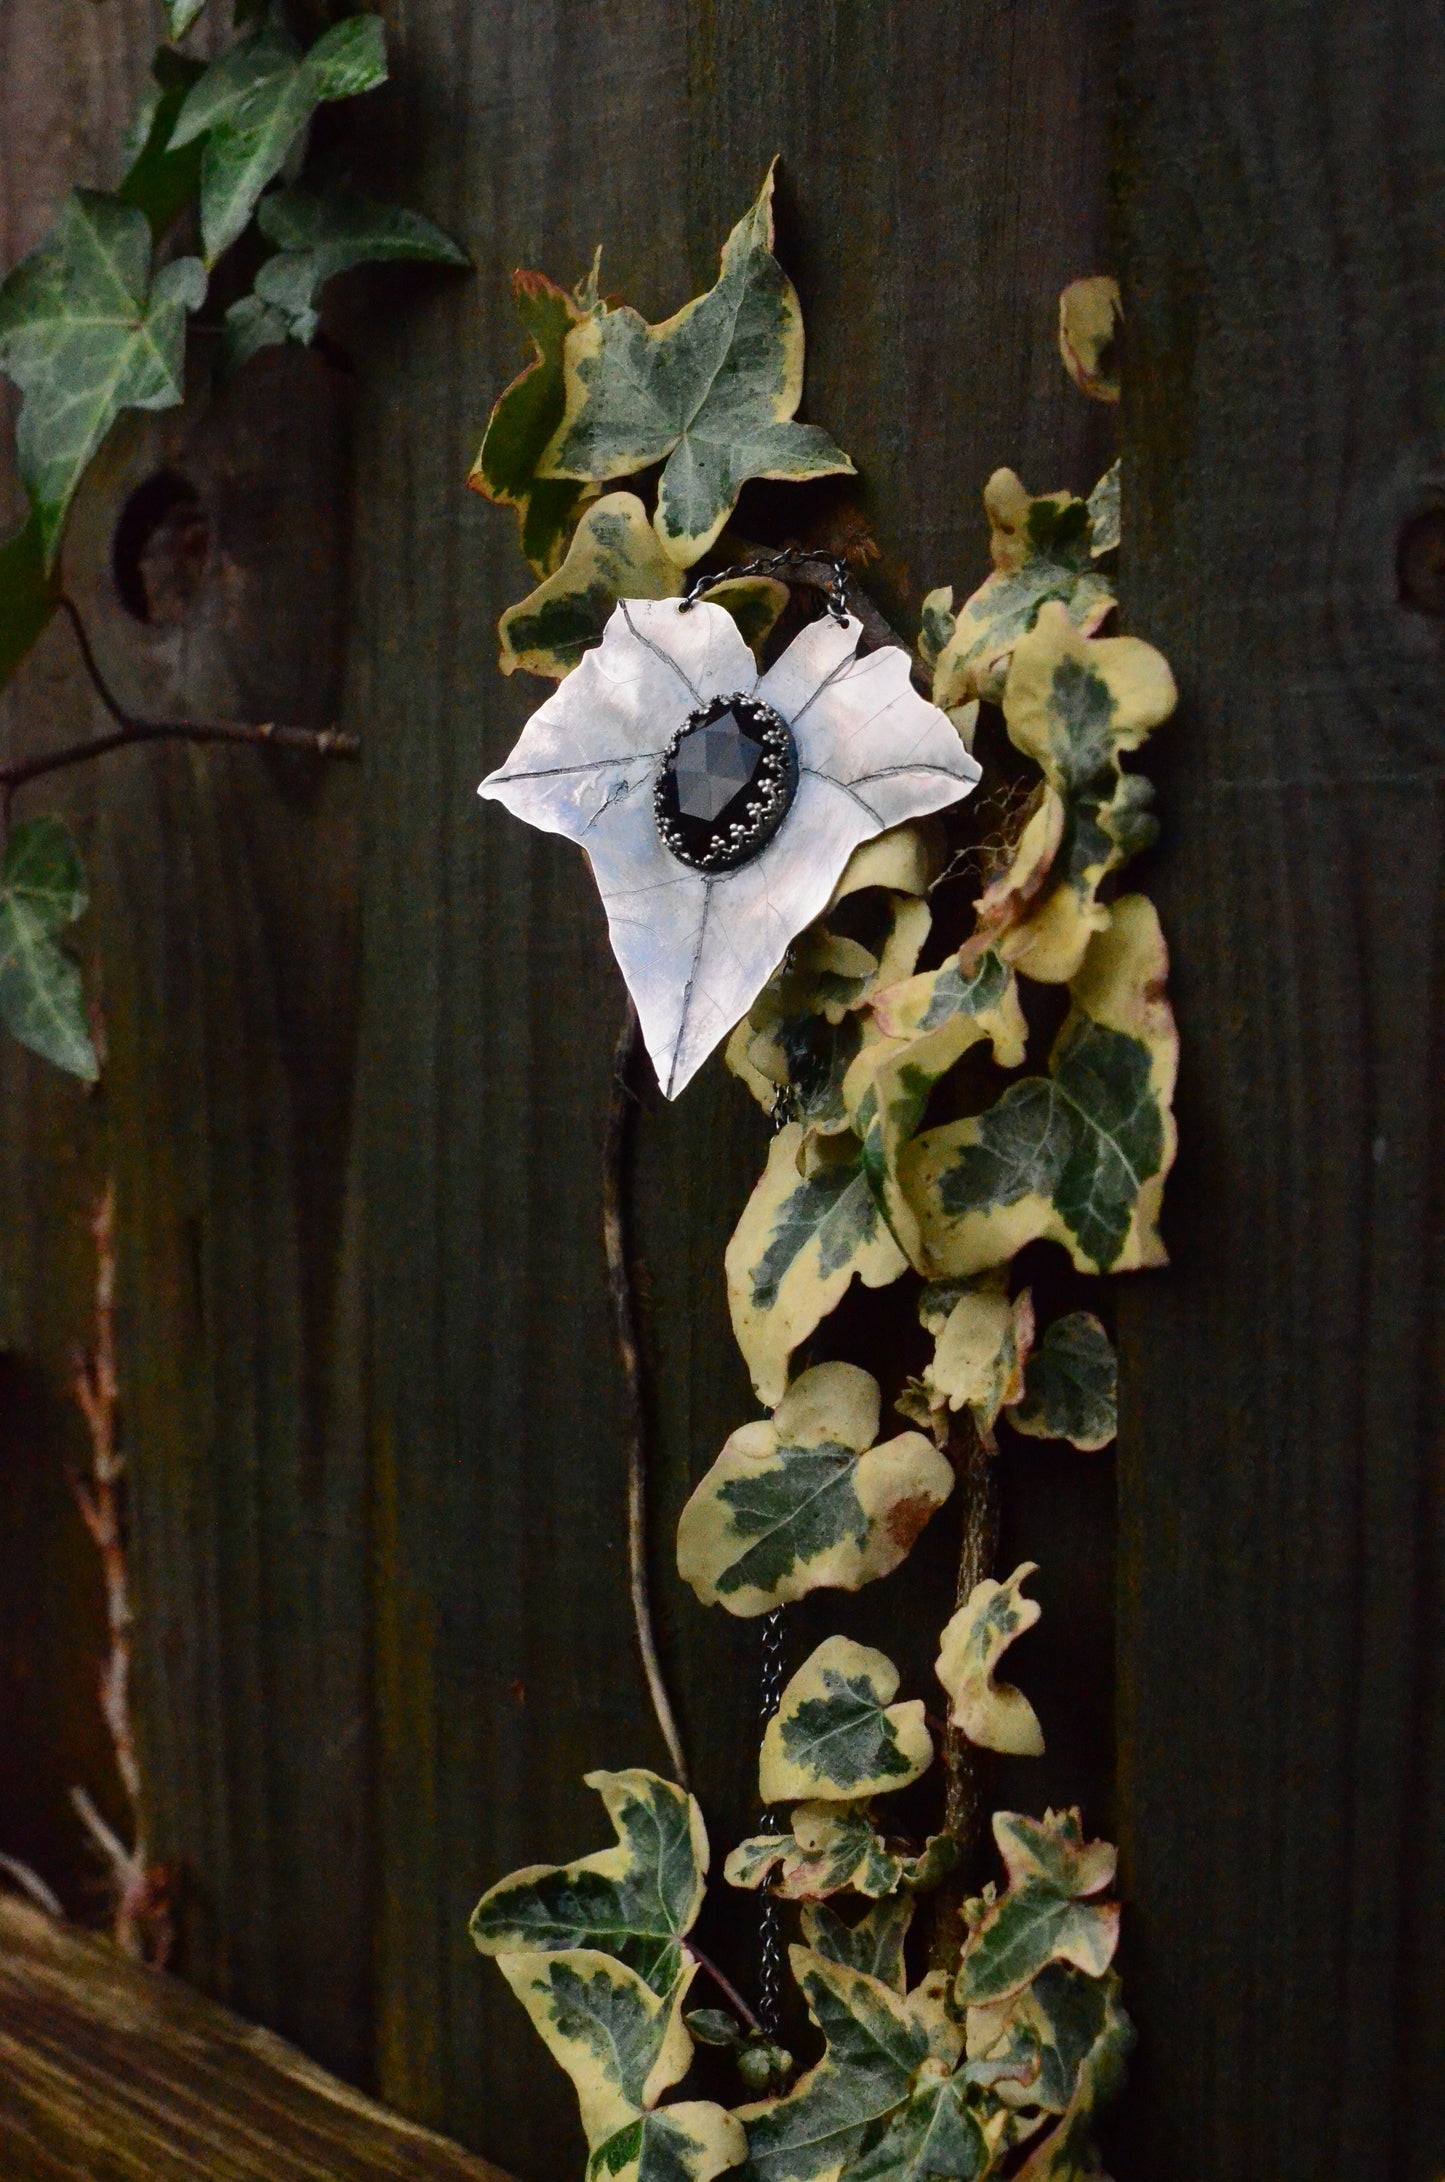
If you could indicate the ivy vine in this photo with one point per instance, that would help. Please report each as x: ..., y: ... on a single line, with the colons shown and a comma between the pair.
x: 218, y: 229
x: 934, y: 1118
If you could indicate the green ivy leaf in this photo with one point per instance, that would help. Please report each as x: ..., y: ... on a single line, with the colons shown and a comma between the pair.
x: 319, y: 234
x: 526, y: 417
x: 180, y: 14
x: 158, y: 181
x: 634, y: 1901
x: 42, y: 891
x: 710, y: 393
x: 29, y: 593
x: 1046, y: 1914
x: 832, y: 1847
x: 803, y: 1237
x: 805, y: 1499
x: 1071, y: 1385
x: 837, y: 1736
x: 1042, y: 550
x: 86, y: 333
x: 993, y: 1715
x: 252, y: 104
x: 1079, y: 1155
x: 890, y: 2097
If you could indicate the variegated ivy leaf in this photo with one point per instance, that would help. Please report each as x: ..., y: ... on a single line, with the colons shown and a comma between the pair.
x: 935, y: 625
x: 872, y: 1944
x: 837, y: 1736
x: 805, y: 1500
x: 1082, y: 2037
x: 320, y: 233
x: 180, y: 14
x: 798, y: 1040
x: 801, y: 1240
x: 832, y: 1847
x: 527, y: 415
x: 1104, y: 512
x: 1074, y: 707
x: 1042, y: 550
x: 927, y: 1024
x: 635, y: 1900
x: 623, y: 2046
x: 992, y: 1714
x: 710, y: 393
x: 1071, y: 1385
x: 1079, y: 1155
x: 982, y: 1343
x: 85, y: 333
x: 1089, y: 315
x: 614, y: 554
x: 42, y: 890
x: 1046, y: 1915
x: 890, y: 2101
x: 252, y: 104
x: 1069, y: 2152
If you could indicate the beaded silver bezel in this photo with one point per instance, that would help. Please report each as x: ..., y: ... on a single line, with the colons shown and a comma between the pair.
x: 769, y: 794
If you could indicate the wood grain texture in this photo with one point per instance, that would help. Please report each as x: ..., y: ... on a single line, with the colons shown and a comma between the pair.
x: 942, y: 178
x: 112, y: 2073
x: 1282, y: 1728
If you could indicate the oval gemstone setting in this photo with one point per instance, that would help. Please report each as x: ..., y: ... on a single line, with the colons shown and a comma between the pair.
x: 727, y: 782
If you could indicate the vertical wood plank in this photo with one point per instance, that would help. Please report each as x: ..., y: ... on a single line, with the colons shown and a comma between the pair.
x: 1280, y: 192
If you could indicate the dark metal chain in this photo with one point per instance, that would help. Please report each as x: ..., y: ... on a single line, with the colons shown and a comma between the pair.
x: 834, y: 590
x: 770, y: 1938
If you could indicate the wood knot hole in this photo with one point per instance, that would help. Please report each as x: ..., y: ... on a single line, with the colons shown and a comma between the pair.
x: 1420, y: 562
x: 161, y: 552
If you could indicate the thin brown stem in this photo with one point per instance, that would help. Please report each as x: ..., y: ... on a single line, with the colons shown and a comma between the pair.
x: 142, y: 1924
x: 615, y: 1160
x: 321, y: 742
x: 965, y: 1766
x: 724, y: 1985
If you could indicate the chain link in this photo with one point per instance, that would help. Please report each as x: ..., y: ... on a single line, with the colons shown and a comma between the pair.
x: 835, y: 590
x: 770, y: 1938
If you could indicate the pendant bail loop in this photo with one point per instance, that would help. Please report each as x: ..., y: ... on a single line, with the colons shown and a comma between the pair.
x: 834, y: 586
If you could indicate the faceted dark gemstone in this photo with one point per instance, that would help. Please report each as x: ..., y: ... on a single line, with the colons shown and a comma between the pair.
x: 726, y: 783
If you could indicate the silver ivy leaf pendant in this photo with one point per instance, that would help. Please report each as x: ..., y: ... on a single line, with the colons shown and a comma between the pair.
x: 718, y: 807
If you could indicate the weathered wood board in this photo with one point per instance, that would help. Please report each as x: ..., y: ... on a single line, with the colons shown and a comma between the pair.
x: 113, y: 2073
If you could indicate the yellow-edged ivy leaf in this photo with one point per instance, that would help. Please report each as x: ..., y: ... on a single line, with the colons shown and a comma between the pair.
x: 1071, y: 1385
x: 832, y: 1847
x: 621, y: 2043
x: 872, y: 1944
x: 1089, y: 315
x: 837, y: 1735
x: 1047, y: 1914
x: 801, y: 1240
x: 158, y: 181
x: 890, y: 2101
x: 1041, y: 548
x: 252, y: 104
x: 710, y: 393
x: 42, y: 891
x: 935, y: 625
x: 689, y: 2141
x: 1082, y: 2037
x: 524, y: 420
x: 1080, y: 1155
x: 1011, y: 893
x: 320, y: 233
x: 634, y: 1900
x: 1069, y: 2152
x: 1105, y: 503
x: 1074, y: 706
x: 992, y: 1714
x: 804, y: 1499
x: 29, y: 593
x: 927, y: 1024
x: 981, y: 1347
x: 85, y: 333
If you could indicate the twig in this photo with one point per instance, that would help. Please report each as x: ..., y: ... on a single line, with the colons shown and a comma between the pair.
x: 965, y: 1765
x: 142, y: 1924
x: 321, y: 742
x: 620, y: 1110
x: 724, y: 1985
x: 31, y: 1883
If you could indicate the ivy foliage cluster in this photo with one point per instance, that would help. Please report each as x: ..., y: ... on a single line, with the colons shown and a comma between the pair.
x: 925, y: 1129
x: 95, y: 321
